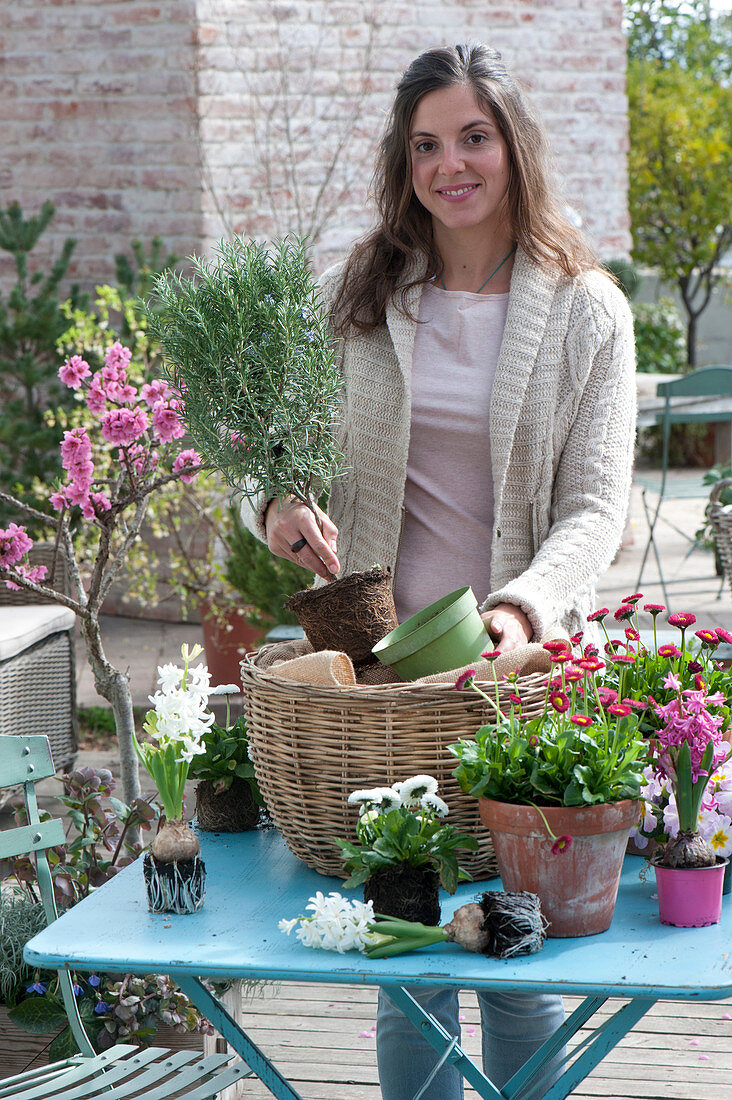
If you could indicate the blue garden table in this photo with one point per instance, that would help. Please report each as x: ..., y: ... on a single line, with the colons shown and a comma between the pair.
x: 253, y: 881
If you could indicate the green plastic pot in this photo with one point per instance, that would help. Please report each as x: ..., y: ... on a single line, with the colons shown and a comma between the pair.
x: 446, y: 635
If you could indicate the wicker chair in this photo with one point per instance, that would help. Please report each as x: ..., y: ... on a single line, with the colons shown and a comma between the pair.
x: 37, y: 665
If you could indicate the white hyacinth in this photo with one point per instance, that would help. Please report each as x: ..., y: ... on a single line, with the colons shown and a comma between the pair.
x: 337, y: 924
x: 181, y: 714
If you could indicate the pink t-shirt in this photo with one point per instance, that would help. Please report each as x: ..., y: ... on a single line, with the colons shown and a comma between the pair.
x: 448, y: 500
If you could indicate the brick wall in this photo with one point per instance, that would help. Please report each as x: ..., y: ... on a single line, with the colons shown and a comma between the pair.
x: 97, y: 102
x: 180, y: 118
x: 342, y: 59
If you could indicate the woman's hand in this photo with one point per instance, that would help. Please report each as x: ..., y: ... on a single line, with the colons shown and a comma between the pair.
x: 508, y: 626
x: 289, y: 523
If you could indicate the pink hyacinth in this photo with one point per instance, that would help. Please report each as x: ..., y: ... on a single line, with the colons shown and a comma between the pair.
x: 14, y: 544
x: 123, y: 426
x: 687, y: 719
x: 189, y: 458
x: 73, y: 371
x: 166, y: 422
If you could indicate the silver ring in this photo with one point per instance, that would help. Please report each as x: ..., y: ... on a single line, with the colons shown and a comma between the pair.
x: 297, y: 546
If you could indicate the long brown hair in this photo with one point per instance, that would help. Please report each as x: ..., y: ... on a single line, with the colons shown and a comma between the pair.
x: 377, y: 263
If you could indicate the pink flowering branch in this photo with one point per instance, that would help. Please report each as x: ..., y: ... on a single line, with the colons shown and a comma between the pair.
x: 113, y: 464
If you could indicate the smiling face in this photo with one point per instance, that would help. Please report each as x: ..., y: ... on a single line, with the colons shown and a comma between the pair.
x: 460, y: 162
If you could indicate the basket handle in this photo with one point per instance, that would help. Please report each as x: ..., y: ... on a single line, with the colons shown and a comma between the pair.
x: 717, y: 489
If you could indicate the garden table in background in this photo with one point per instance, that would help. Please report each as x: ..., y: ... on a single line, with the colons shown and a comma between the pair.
x: 253, y: 881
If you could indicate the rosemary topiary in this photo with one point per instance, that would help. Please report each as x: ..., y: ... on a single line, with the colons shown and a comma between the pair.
x: 248, y: 346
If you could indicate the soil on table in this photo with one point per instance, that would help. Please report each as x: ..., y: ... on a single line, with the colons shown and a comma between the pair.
x: 232, y: 810
x: 405, y: 892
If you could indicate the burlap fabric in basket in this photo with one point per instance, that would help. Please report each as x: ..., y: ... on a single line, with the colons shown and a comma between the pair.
x: 312, y: 744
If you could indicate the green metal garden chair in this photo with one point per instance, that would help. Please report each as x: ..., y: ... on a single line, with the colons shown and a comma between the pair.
x: 124, y: 1071
x: 698, y: 389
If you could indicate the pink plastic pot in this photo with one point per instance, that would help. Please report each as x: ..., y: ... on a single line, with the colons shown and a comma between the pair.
x: 690, y: 897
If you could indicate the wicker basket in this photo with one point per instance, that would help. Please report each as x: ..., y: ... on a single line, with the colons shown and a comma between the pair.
x: 721, y: 521
x: 312, y: 745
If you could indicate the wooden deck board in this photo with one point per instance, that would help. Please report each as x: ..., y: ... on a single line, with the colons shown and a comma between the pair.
x: 321, y: 1038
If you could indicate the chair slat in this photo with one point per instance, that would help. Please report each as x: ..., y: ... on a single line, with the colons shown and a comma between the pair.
x: 31, y: 838
x: 202, y: 1071
x: 15, y: 766
x: 82, y: 1071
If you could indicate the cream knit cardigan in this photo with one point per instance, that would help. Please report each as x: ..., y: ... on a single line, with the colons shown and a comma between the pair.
x: 560, y: 430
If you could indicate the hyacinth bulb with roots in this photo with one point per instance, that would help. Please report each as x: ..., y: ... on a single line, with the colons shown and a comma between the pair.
x: 174, y: 872
x: 498, y: 924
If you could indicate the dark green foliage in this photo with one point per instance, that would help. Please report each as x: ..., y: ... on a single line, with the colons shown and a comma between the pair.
x: 552, y: 763
x: 135, y: 276
x: 226, y: 757
x: 31, y: 322
x: 263, y: 581
x: 626, y: 274
x: 660, y: 342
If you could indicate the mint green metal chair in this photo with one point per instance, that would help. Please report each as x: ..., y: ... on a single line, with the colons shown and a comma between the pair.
x: 698, y: 389
x: 124, y: 1071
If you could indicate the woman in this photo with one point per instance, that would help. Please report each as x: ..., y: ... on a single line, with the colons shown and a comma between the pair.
x: 488, y: 420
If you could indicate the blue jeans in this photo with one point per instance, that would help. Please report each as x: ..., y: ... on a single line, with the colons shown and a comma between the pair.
x: 514, y: 1025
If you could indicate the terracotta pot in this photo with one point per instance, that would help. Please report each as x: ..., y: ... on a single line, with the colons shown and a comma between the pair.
x: 577, y: 887
x: 226, y: 638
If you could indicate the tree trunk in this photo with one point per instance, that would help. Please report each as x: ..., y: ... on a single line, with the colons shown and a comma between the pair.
x: 691, y: 340
x: 115, y: 687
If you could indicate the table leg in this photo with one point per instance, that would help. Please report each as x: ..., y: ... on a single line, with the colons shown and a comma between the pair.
x: 215, y: 1012
x: 523, y: 1084
x: 598, y: 1044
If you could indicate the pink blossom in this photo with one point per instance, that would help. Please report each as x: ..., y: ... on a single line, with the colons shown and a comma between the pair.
x: 123, y: 426
x: 73, y: 371
x: 101, y: 502
x: 154, y: 391
x: 599, y: 615
x: 559, y: 701
x: 121, y: 392
x: 187, y: 458
x: 96, y: 399
x: 75, y: 448
x: 607, y: 695
x: 687, y: 719
x: 672, y: 682
x: 166, y: 422
x: 561, y: 845
x: 14, y: 544
x: 58, y: 500
x: 117, y: 356
x: 142, y: 459
x: 78, y: 493
x: 681, y: 619
x: 724, y: 635
x: 464, y: 678
x: 35, y: 575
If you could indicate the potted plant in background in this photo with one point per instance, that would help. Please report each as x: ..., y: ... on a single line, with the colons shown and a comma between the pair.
x: 405, y: 850
x: 251, y: 356
x: 228, y: 799
x: 689, y: 863
x: 115, y: 1008
x: 559, y: 793
x: 174, y: 871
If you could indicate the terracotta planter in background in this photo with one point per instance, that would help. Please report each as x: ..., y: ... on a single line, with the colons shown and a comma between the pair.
x: 578, y: 887
x: 226, y: 638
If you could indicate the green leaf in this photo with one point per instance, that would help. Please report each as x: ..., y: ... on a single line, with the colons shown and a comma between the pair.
x: 39, y: 1015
